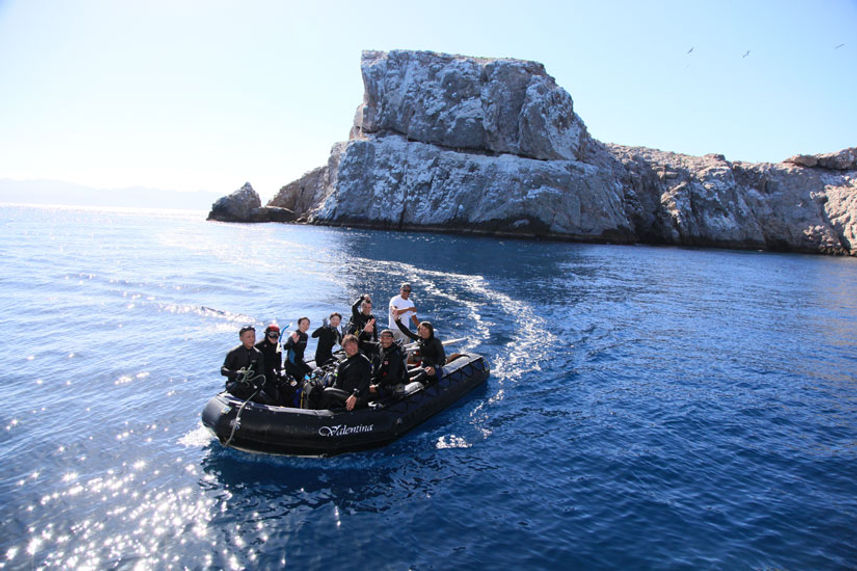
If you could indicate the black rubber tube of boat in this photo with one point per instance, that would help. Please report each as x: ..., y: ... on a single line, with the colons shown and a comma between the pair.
x: 237, y: 420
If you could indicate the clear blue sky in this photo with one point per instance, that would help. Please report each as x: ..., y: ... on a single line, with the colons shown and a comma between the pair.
x: 205, y: 95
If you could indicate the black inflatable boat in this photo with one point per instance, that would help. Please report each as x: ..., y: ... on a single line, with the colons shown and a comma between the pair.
x: 285, y: 430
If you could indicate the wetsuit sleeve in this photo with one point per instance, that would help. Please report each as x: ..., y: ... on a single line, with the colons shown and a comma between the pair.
x: 228, y: 368
x: 355, y: 309
x: 407, y: 331
x: 318, y: 331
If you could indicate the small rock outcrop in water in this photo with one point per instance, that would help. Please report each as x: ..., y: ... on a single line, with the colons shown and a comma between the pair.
x: 244, y: 205
x: 444, y: 142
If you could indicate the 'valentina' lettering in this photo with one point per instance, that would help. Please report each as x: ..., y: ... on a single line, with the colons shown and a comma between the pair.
x: 345, y: 430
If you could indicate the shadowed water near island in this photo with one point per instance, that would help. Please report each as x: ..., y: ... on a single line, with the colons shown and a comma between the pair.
x: 647, y: 407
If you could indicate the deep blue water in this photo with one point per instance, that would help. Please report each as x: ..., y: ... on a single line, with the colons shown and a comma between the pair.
x: 648, y: 407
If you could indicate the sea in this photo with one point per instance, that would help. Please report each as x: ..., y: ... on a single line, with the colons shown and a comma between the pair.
x: 648, y: 407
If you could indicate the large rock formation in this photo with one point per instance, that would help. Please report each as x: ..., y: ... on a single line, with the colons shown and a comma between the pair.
x: 447, y: 142
x: 469, y: 104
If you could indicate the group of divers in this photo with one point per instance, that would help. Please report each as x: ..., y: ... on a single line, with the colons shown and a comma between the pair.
x: 372, y: 366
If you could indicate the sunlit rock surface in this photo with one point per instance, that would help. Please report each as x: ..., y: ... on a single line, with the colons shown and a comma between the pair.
x: 244, y: 205
x: 488, y: 145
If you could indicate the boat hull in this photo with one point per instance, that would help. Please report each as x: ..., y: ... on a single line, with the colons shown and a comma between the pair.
x: 285, y: 430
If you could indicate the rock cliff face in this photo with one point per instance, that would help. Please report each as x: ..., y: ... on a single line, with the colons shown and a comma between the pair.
x: 709, y: 201
x: 469, y: 104
x: 447, y: 142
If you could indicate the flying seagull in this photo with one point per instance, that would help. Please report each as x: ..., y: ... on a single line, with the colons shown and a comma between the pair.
x: 746, y: 54
x: 836, y: 48
x: 690, y: 50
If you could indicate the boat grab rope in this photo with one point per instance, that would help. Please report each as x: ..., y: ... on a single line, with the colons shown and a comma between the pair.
x: 245, y: 377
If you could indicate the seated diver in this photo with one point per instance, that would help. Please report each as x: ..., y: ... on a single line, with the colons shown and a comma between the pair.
x: 276, y: 389
x: 244, y: 366
x: 362, y: 324
x: 352, y: 378
x: 432, y: 354
x: 328, y: 335
x: 388, y: 367
x: 295, y: 347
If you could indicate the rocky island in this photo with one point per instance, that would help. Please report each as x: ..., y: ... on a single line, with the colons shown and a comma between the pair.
x: 462, y: 144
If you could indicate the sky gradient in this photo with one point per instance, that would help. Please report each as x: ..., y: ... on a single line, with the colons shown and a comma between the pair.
x: 199, y: 95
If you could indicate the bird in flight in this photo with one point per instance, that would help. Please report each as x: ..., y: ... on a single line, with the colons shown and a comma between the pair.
x: 690, y: 50
x: 836, y: 48
x: 746, y: 54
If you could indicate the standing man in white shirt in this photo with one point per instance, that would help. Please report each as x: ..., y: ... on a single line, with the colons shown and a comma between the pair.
x: 401, y: 307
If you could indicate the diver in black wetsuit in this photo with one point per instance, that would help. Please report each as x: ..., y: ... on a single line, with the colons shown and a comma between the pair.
x: 362, y: 324
x: 242, y: 358
x: 295, y: 347
x: 388, y: 367
x: 273, y: 359
x: 352, y: 378
x: 328, y: 335
x: 432, y: 354
x: 271, y: 351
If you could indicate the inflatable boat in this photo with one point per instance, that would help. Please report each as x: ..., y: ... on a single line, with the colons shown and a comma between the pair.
x: 255, y: 427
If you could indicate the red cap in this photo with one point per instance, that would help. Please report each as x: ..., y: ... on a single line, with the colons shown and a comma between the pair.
x: 272, y: 327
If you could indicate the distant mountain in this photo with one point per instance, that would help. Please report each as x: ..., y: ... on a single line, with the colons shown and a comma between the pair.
x: 57, y: 192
